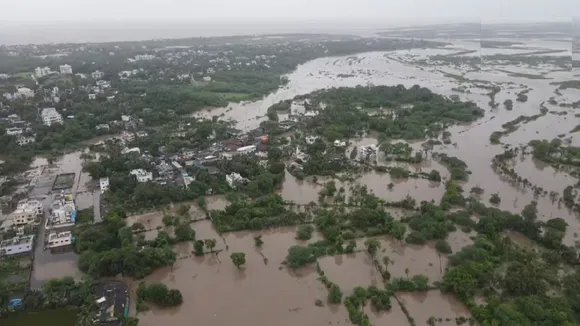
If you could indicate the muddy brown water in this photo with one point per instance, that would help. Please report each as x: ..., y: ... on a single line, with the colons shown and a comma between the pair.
x: 471, y: 142
x: 215, y: 292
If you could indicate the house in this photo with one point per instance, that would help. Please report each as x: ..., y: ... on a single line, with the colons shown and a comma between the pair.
x: 127, y: 137
x: 125, y: 118
x: 104, y: 184
x: 234, y: 179
x: 17, y: 245
x: 41, y: 72
x: 141, y: 134
x: 27, y: 212
x: 92, y: 96
x: 65, y: 69
x: 14, y: 131
x: 21, y: 141
x: 25, y: 92
x: 97, y: 74
x: 63, y: 212
x: 142, y: 175
x: 104, y: 126
x: 50, y: 117
x: 59, y: 239
x: 339, y: 143
x: 187, y: 179
x: 131, y: 150
x: 246, y: 149
x: 311, y: 139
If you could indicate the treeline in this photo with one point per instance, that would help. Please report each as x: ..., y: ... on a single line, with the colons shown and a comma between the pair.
x: 413, y: 113
x: 108, y: 249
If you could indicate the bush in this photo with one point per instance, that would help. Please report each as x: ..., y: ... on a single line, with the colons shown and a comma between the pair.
x: 416, y: 238
x: 443, y: 247
x: 304, y: 232
x: 334, y: 294
x: 159, y: 294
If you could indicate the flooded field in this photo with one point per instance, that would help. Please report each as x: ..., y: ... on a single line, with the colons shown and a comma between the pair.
x: 444, y: 307
x: 217, y: 293
x: 470, y: 142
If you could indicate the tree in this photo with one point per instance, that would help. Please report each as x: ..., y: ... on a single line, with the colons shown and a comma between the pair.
x: 350, y: 247
x: 372, y: 246
x: 238, y: 258
x: 304, y: 232
x: 334, y: 294
x: 299, y: 256
x: 434, y: 175
x: 443, y: 247
x: 495, y: 199
x: 184, y: 232
x: 183, y: 210
x: 198, y: 248
x: 210, y: 244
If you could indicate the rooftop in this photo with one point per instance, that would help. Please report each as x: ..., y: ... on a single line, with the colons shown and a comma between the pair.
x: 25, y: 239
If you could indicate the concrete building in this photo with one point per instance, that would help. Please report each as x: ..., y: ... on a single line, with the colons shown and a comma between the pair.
x: 27, y: 212
x: 311, y: 139
x: 17, y: 245
x: 339, y: 143
x: 65, y: 70
x: 25, y: 92
x: 97, y: 74
x: 59, y: 239
x: 246, y: 149
x: 104, y: 184
x: 14, y: 131
x: 92, y: 96
x: 21, y: 141
x: 187, y: 179
x: 41, y: 72
x: 234, y: 179
x: 142, y: 175
x: 50, y: 116
x: 63, y: 212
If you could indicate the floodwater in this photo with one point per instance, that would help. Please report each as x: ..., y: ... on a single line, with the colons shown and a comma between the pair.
x: 265, y: 292
x: 424, y: 305
x: 215, y: 292
x: 470, y: 142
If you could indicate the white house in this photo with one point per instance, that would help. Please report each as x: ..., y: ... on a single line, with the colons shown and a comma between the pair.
x: 14, y: 131
x: 25, y: 92
x: 104, y: 184
x: 246, y: 149
x: 17, y: 245
x: 21, y: 140
x: 207, y: 79
x: 234, y: 179
x: 41, y: 72
x: 97, y: 74
x: 65, y: 70
x: 92, y: 96
x: 311, y: 139
x: 125, y: 118
x: 142, y: 175
x: 59, y: 239
x: 339, y: 143
x: 50, y: 116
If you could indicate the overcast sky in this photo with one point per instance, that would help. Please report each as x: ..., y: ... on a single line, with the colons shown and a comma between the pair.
x: 384, y: 11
